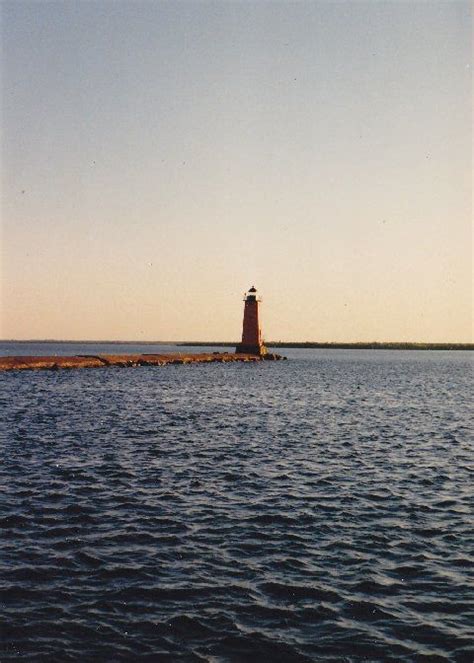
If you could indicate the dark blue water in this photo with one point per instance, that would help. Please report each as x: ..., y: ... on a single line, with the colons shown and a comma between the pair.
x: 319, y: 509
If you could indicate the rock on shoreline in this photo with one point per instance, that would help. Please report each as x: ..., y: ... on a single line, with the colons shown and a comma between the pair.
x: 20, y: 363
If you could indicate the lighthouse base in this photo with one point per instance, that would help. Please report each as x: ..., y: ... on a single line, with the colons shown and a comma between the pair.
x: 259, y: 350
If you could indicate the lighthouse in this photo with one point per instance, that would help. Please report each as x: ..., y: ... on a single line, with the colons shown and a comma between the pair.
x: 252, y: 342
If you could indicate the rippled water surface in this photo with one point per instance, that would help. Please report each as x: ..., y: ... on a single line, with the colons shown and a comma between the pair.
x: 318, y: 509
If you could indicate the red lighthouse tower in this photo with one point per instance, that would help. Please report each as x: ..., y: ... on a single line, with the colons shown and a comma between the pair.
x: 252, y: 342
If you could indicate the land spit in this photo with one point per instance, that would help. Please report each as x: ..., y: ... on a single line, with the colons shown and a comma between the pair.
x: 54, y: 363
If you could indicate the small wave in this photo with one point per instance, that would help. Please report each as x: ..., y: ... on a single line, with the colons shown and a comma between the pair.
x: 298, y: 592
x: 13, y: 522
x: 255, y: 647
x: 189, y: 625
x: 366, y: 611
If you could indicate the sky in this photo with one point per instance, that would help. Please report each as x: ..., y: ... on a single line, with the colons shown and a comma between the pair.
x: 159, y: 158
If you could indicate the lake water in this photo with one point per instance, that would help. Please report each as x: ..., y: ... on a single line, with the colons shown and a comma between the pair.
x: 319, y: 509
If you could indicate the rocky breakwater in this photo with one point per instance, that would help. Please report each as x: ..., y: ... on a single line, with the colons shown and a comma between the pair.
x: 125, y: 361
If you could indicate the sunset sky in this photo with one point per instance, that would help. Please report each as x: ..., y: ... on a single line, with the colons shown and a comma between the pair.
x: 159, y: 158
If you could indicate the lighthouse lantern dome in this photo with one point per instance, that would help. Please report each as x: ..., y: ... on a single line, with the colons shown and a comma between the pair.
x: 251, y: 294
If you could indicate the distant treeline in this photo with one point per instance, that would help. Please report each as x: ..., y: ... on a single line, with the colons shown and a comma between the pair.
x: 348, y: 346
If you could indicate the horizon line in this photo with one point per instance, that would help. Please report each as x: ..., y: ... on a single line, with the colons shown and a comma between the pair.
x: 228, y: 343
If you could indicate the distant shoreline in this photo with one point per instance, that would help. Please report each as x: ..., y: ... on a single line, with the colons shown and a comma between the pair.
x: 373, y: 345
x: 350, y: 346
